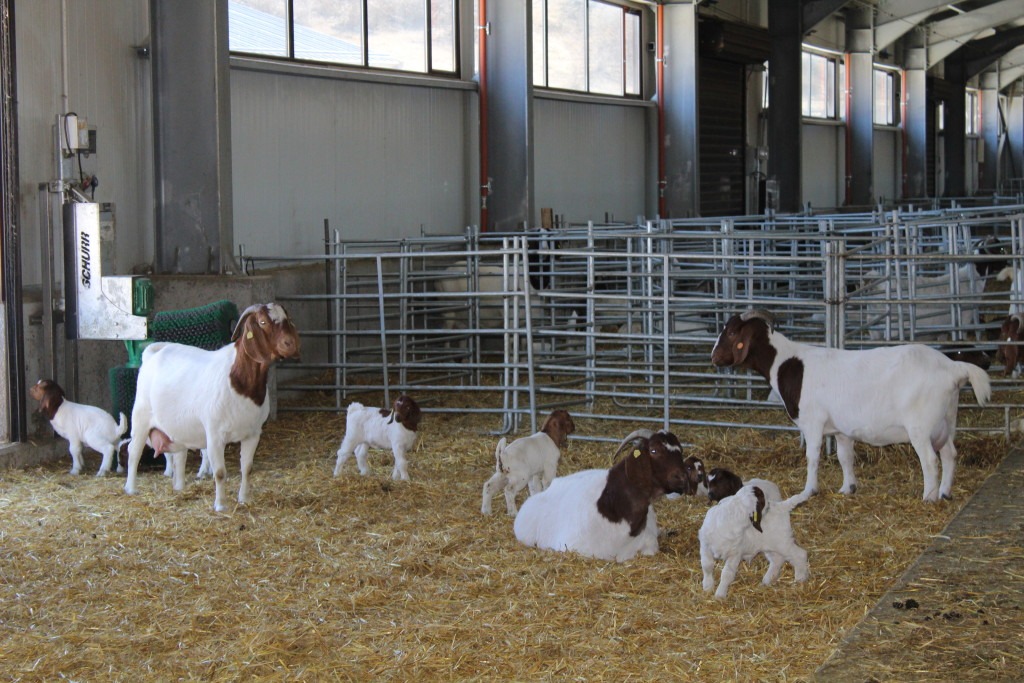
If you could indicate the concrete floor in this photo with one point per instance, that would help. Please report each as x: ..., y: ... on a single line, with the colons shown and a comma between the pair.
x: 958, y: 611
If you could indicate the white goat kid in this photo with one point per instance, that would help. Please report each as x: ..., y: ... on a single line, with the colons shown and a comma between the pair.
x: 531, y: 460
x: 883, y: 396
x: 744, y: 525
x: 367, y: 428
x: 80, y: 424
x: 207, y: 399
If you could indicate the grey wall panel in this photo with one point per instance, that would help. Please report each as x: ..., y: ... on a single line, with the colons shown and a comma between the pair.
x: 377, y: 160
x: 822, y: 164
x: 591, y: 159
x: 108, y: 83
x: 887, y: 161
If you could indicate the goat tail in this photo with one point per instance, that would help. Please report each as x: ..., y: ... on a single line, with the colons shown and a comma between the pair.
x: 497, y: 454
x: 122, y: 426
x: 979, y: 383
x: 795, y: 501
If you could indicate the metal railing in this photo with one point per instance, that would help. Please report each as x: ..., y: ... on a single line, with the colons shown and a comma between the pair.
x: 616, y: 323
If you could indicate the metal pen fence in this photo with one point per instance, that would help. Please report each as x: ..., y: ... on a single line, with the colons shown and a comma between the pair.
x: 617, y: 323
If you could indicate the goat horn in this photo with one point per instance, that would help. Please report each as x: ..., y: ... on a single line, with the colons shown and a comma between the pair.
x: 641, y: 433
x: 758, y: 313
x: 241, y: 320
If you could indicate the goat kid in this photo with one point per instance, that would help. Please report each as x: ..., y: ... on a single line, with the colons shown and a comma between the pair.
x: 723, y: 483
x: 883, y: 396
x: 367, y: 428
x: 607, y: 514
x: 530, y: 461
x: 744, y: 525
x: 207, y: 399
x: 80, y: 424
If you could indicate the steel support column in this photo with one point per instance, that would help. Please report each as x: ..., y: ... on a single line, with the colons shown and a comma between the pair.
x: 915, y: 118
x: 681, y: 131
x: 785, y: 99
x: 192, y: 129
x: 510, y: 114
x: 989, y: 177
x: 953, y: 134
x: 860, y: 124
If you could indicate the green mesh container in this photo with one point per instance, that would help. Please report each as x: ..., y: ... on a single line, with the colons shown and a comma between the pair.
x: 208, y: 327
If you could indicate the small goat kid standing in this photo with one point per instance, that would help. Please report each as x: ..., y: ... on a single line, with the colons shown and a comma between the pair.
x: 367, y: 428
x: 79, y: 424
x: 531, y: 460
x: 744, y: 525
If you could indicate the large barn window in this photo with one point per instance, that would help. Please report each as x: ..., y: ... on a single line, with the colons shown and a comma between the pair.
x: 973, y: 107
x: 586, y: 46
x: 886, y: 98
x: 819, y: 86
x: 399, y: 35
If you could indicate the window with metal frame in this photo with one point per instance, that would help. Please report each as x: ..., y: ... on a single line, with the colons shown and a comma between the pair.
x: 418, y: 36
x: 886, y: 98
x: 590, y: 46
x: 973, y: 109
x: 819, y: 86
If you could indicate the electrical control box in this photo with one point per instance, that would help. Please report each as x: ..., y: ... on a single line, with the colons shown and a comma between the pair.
x: 74, y: 134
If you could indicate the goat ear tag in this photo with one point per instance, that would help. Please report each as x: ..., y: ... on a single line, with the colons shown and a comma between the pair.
x: 739, y: 345
x: 636, y: 452
x: 248, y: 335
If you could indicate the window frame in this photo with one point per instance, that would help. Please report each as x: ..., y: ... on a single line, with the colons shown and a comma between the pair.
x: 972, y: 111
x: 429, y: 43
x: 892, y: 96
x: 831, y: 95
x: 542, y: 61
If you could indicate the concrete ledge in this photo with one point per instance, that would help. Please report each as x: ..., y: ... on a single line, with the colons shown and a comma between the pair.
x: 957, y: 613
x: 34, y: 453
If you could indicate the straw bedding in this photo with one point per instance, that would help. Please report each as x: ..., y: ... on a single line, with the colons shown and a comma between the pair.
x: 361, y: 578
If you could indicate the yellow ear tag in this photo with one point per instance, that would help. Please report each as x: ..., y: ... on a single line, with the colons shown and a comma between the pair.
x: 740, y: 345
x: 248, y: 335
x: 636, y: 452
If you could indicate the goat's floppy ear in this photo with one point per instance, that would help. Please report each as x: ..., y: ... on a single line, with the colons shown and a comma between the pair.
x: 741, y: 347
x: 755, y: 518
x: 251, y: 340
x: 638, y: 463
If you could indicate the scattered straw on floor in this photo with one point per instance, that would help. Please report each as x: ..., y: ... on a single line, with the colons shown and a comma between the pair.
x: 362, y: 578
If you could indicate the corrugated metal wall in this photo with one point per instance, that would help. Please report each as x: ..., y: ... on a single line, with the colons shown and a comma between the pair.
x: 591, y: 159
x: 108, y: 83
x: 378, y: 160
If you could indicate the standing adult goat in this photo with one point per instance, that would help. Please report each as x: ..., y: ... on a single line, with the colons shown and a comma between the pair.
x: 883, y: 396
x: 207, y: 399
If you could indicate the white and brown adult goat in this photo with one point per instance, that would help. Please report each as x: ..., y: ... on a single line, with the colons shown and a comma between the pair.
x: 207, y: 399
x: 608, y: 514
x: 883, y: 396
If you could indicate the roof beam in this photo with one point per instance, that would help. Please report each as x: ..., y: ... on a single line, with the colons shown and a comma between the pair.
x: 816, y: 11
x: 976, y: 21
x: 978, y: 55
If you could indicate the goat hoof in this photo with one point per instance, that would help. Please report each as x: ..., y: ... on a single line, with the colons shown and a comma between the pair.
x: 947, y: 496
